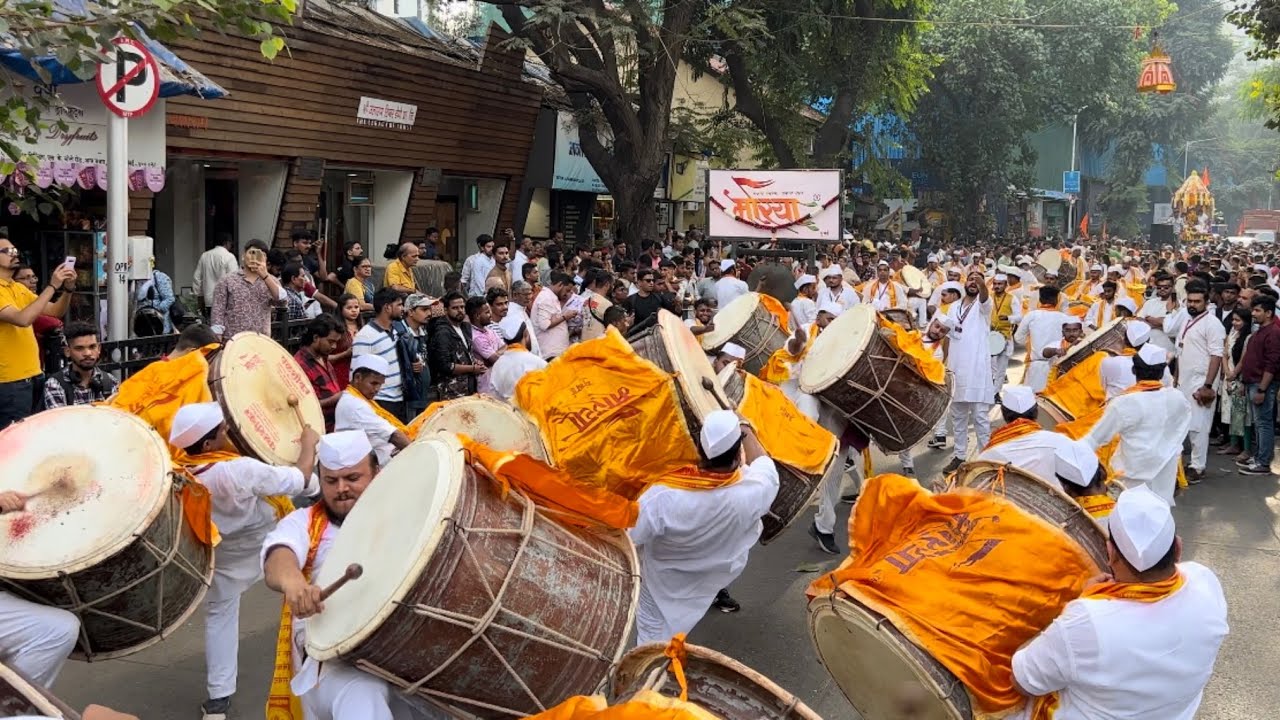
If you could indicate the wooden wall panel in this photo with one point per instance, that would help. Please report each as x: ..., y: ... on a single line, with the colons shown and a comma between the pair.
x: 298, y: 208
x: 140, y: 203
x: 421, y: 213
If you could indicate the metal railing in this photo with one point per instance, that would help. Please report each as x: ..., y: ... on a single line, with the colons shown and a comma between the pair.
x: 123, y: 358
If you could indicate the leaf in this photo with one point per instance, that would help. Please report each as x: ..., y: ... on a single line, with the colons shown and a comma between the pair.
x: 809, y: 567
x: 271, y: 47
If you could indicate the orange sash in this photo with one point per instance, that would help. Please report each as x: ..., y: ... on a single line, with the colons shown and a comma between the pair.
x: 378, y: 409
x: 281, y: 702
x: 1015, y: 429
x: 1098, y: 506
x: 282, y: 504
x: 875, y: 291
x: 776, y: 309
x: 778, y: 369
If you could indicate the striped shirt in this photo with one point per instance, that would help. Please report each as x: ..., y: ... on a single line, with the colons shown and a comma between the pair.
x: 373, y: 340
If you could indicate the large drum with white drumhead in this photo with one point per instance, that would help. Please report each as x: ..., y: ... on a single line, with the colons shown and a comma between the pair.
x: 670, y: 346
x: 103, y: 535
x: 471, y: 595
x: 1109, y: 338
x: 487, y: 421
x: 858, y: 372
x: 252, y: 377
x: 746, y: 322
x: 19, y: 697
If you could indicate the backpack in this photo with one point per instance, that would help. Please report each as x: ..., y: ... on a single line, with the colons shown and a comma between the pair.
x: 177, y: 313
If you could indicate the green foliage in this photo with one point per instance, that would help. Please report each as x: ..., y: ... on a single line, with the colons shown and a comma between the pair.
x: 38, y: 28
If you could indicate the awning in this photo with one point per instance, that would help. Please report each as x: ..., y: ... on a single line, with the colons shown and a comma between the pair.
x: 1050, y: 194
x: 176, y: 76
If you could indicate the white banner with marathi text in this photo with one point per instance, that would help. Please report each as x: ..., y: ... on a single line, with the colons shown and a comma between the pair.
x: 791, y: 204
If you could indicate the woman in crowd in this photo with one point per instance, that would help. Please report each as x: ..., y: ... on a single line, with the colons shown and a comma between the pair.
x: 348, y: 313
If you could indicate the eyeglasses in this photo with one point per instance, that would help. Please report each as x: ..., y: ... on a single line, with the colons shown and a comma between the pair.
x: 10, y: 251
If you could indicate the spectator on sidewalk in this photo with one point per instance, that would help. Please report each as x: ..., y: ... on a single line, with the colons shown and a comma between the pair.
x: 399, y: 276
x: 80, y: 382
x: 500, y: 275
x: 243, y: 299
x: 19, y: 352
x: 551, y: 319
x: 350, y: 320
x: 360, y: 285
x: 379, y: 337
x: 352, y: 254
x: 1258, y: 371
x: 300, y: 306
x: 418, y: 311
x: 319, y: 339
x: 154, y: 301
x: 215, y: 264
x: 476, y: 268
x: 48, y: 329
x: 486, y: 343
x: 453, y: 369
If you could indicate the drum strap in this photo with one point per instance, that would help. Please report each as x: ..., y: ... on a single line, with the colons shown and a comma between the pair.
x: 282, y: 704
x: 675, y: 652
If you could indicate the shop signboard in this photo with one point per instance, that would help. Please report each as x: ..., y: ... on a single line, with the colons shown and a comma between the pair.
x: 572, y: 170
x: 77, y: 155
x: 376, y: 112
x: 788, y: 204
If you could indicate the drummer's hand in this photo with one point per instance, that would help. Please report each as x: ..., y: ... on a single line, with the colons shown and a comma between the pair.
x: 799, y: 335
x: 11, y: 501
x: 1099, y: 579
x: 303, y: 599
x: 309, y: 438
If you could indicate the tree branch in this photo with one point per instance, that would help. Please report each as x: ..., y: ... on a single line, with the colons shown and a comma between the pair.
x: 749, y: 103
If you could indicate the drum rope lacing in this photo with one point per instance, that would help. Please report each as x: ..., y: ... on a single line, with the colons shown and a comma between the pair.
x: 877, y: 395
x: 479, y: 626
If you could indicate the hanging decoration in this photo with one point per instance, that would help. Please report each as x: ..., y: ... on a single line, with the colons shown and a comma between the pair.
x: 1157, y: 70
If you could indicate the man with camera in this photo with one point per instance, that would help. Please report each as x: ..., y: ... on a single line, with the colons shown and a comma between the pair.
x: 19, y: 352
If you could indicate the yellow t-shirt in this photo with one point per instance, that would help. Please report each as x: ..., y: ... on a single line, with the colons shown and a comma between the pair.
x: 398, y: 274
x: 19, y: 353
x: 355, y: 287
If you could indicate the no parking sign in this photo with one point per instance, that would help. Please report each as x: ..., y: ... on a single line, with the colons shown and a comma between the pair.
x: 129, y: 79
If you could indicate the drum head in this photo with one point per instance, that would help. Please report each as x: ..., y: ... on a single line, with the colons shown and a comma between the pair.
x: 717, y: 683
x: 877, y: 668
x: 1050, y: 415
x: 691, y: 366
x: 1050, y: 260
x: 391, y: 532
x: 487, y: 421
x: 19, y: 697
x: 101, y: 491
x: 995, y: 343
x: 252, y: 377
x: 1085, y: 347
x: 837, y: 348
x: 730, y: 319
x: 914, y: 278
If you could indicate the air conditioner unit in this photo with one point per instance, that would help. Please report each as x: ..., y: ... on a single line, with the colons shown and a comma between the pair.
x: 360, y: 192
x: 691, y: 206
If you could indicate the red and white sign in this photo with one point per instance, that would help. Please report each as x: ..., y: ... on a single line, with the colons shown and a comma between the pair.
x: 129, y: 79
x: 791, y: 204
x: 376, y: 112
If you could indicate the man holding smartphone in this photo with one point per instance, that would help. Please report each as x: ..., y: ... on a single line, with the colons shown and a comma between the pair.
x: 19, y: 352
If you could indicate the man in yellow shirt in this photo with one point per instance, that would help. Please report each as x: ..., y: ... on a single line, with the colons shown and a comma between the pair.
x: 399, y: 275
x: 19, y: 352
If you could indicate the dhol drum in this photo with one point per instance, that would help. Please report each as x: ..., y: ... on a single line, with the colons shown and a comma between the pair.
x: 883, y: 674
x: 1049, y: 260
x: 252, y: 377
x: 1109, y: 338
x: 1040, y: 497
x: 748, y: 323
x: 670, y: 346
x: 1050, y: 415
x: 717, y: 683
x: 104, y: 535
x: 996, y: 343
x: 19, y: 697
x: 487, y: 421
x: 914, y: 278
x: 905, y: 318
x: 855, y: 370
x: 486, y: 604
x: 796, y: 488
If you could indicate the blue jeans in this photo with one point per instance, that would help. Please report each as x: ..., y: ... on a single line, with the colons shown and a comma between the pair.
x: 16, y: 401
x: 1264, y: 425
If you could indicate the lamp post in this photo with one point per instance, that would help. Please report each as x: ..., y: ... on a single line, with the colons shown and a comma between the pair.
x: 1071, y: 209
x: 1186, y: 154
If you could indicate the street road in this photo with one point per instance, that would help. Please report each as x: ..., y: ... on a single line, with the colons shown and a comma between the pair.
x: 1229, y: 523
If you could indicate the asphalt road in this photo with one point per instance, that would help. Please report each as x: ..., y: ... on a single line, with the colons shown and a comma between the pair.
x: 1229, y: 524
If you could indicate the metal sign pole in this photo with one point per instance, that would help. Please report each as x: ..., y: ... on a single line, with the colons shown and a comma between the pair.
x: 117, y: 227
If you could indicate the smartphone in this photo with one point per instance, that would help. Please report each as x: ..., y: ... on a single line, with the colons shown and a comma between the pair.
x: 70, y: 262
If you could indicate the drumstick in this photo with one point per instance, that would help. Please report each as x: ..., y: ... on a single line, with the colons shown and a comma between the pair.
x: 709, y: 385
x: 354, y: 570
x: 293, y: 403
x: 61, y: 485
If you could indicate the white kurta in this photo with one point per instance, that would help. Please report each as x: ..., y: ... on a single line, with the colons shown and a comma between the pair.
x: 508, y: 369
x: 803, y: 312
x: 846, y: 298
x: 879, y: 295
x: 1197, y: 341
x: 1033, y: 453
x: 352, y: 413
x: 968, y: 356
x: 1117, y: 375
x: 1121, y: 659
x: 1155, y: 307
x: 1100, y: 313
x: 692, y: 544
x: 1038, y: 330
x: 728, y: 289
x: 1151, y: 426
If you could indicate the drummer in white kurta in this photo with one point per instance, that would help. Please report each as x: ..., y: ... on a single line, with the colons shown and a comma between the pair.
x: 1006, y: 313
x: 1151, y: 422
x: 1156, y: 309
x: 1103, y: 309
x: 368, y: 372
x: 34, y: 639
x: 804, y: 308
x: 239, y: 489
x: 693, y: 543
x: 969, y: 359
x: 1150, y: 657
x: 1199, y: 346
x: 934, y: 340
x: 1021, y: 441
x: 834, y: 289
x: 1117, y: 370
x: 335, y: 690
x: 517, y: 361
x: 1040, y: 329
x: 883, y: 293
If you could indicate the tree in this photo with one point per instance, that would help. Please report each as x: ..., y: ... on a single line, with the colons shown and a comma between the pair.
x: 37, y: 28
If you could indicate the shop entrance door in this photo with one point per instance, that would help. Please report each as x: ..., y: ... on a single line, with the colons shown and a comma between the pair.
x: 447, y: 224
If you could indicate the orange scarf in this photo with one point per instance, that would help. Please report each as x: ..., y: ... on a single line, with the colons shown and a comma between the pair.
x: 1015, y: 429
x: 515, y: 346
x: 875, y: 291
x: 1098, y: 506
x: 191, y: 465
x: 378, y: 409
x: 281, y: 702
x: 1144, y: 386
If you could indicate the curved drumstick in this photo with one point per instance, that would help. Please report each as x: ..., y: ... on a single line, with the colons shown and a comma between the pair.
x: 710, y: 386
x: 353, y: 571
x: 293, y: 403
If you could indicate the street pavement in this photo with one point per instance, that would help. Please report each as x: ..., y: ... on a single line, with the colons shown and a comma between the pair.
x: 1229, y: 523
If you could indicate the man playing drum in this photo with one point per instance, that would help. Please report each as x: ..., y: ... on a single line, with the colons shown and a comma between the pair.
x: 357, y: 410
x: 1006, y: 313
x: 292, y: 554
x: 935, y: 341
x: 883, y: 293
x: 804, y: 308
x: 1103, y: 309
x: 969, y: 360
x: 1021, y: 441
x: 694, y: 543
x: 1141, y: 641
x: 1083, y: 478
x: 34, y: 639
x: 1117, y: 371
x: 1040, y: 329
x: 244, y: 494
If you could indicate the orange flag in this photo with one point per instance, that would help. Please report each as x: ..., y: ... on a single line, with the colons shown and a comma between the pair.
x: 1084, y: 226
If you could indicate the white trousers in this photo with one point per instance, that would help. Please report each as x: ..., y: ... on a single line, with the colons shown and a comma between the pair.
x: 919, y: 308
x: 35, y: 639
x: 904, y: 457
x: 825, y: 519
x: 940, y: 430
x: 236, y: 568
x: 1198, y: 433
x: 1037, y: 375
x: 962, y: 413
x: 1000, y: 366
x: 345, y: 693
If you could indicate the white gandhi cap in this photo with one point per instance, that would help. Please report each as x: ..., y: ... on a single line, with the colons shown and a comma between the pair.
x: 833, y: 270
x: 373, y: 363
x: 1076, y: 462
x: 1152, y: 354
x: 1018, y: 398
x: 1137, y: 332
x: 193, y: 422
x: 734, y: 351
x: 720, y: 431
x: 1128, y: 304
x: 343, y: 449
x: 1142, y: 527
x: 805, y: 280
x: 726, y: 265
x: 831, y: 308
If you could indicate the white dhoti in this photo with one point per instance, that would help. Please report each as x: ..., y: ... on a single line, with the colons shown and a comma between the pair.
x: 236, y: 568
x: 1037, y: 374
x: 961, y: 414
x: 35, y: 639
x: 344, y: 692
x: 1000, y: 365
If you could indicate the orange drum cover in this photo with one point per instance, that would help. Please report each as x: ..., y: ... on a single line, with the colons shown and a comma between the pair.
x: 252, y: 378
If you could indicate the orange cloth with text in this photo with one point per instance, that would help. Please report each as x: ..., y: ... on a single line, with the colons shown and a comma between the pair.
x: 966, y: 575
x: 787, y: 435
